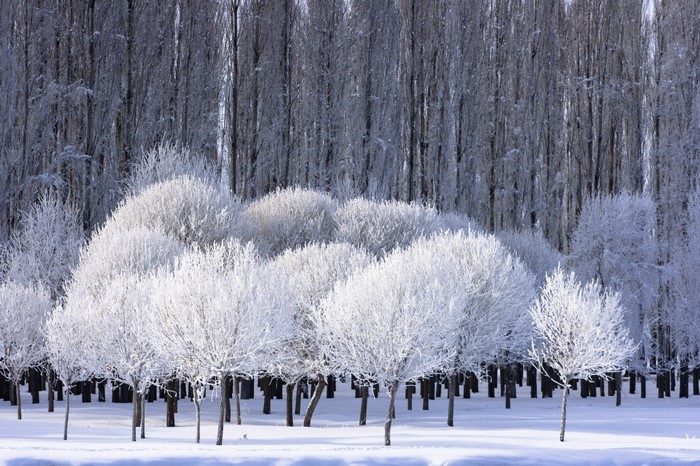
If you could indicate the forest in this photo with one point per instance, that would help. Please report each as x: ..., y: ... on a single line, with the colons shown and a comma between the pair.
x: 227, y: 138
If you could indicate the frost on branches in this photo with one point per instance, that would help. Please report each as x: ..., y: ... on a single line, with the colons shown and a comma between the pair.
x: 580, y: 332
x: 23, y: 310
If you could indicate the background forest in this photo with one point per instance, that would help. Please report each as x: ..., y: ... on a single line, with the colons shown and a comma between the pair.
x: 511, y: 111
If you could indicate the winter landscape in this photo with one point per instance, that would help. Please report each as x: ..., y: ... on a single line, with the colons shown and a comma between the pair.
x: 651, y: 431
x: 349, y: 232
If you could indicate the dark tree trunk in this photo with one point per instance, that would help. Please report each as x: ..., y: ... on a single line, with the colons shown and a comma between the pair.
x: 101, y: 397
x: 18, y: 395
x: 237, y: 399
x: 265, y: 386
x: 532, y: 381
x: 33, y: 379
x: 300, y: 389
x: 318, y: 392
x: 425, y: 393
x: 410, y: 391
x: 683, y: 390
x: 290, y: 404
x: 142, y: 397
x: 170, y: 403
x: 696, y: 381
x: 393, y: 387
x: 643, y: 384
x: 451, y: 400
x: 618, y: 388
x: 222, y: 409
x: 135, y: 410
x: 65, y: 421
x: 633, y: 382
x: 227, y: 401
x: 86, y: 391
x: 364, y: 394
x: 50, y: 394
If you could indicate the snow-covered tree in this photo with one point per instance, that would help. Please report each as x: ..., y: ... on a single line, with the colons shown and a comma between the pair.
x: 393, y: 321
x: 166, y: 162
x: 312, y: 271
x: 533, y: 250
x: 614, y: 243
x: 23, y: 311
x: 46, y: 246
x: 288, y: 219
x: 185, y: 208
x: 580, y: 332
x: 381, y: 227
x: 685, y: 315
x: 72, y: 345
x: 220, y: 315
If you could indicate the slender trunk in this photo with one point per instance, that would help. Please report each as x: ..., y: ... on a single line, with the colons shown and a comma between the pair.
x: 290, y: 404
x: 297, y: 403
x: 50, y: 390
x: 320, y: 385
x: 65, y: 421
x: 135, y: 409
x: 364, y: 394
x: 222, y: 410
x: 197, y: 417
x: 19, y: 399
x: 142, y: 398
x: 643, y: 384
x: 393, y: 387
x: 564, y: 394
x: 171, y: 403
x: 237, y: 400
x: 451, y: 400
x: 618, y: 388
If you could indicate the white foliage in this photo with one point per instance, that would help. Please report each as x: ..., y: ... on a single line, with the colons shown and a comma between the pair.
x: 383, y: 227
x: 23, y: 310
x: 534, y: 250
x: 217, y: 313
x: 614, y: 244
x: 580, y: 329
x: 312, y: 272
x: 45, y: 247
x: 166, y: 162
x: 185, y: 208
x: 288, y: 219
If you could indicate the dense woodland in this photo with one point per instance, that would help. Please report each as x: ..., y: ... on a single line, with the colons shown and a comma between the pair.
x: 576, y: 120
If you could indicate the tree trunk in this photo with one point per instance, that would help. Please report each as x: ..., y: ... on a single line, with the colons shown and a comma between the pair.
x: 171, y: 403
x: 290, y: 404
x: 643, y: 384
x: 451, y: 400
x: 227, y: 400
x: 237, y: 399
x: 393, y: 387
x: 65, y: 421
x: 265, y: 384
x: 222, y: 410
x: 142, y: 398
x: 618, y: 388
x: 314, y: 400
x: 50, y: 390
x: 135, y: 409
x: 633, y: 382
x: 565, y: 393
x: 300, y: 389
x: 197, y: 418
x: 364, y: 394
x: 18, y: 394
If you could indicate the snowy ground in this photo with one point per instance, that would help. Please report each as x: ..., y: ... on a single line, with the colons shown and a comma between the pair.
x: 649, y: 431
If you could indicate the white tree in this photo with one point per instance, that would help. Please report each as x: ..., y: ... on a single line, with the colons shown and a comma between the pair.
x: 533, y: 250
x: 614, y: 243
x: 312, y: 270
x: 185, y: 208
x: 288, y: 219
x: 686, y: 313
x: 393, y: 321
x: 381, y: 227
x: 23, y: 311
x: 219, y: 314
x: 72, y: 345
x: 166, y: 162
x: 580, y: 332
x: 44, y: 249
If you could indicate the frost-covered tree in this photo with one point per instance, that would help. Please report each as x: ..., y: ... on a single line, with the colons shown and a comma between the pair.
x: 220, y: 315
x: 381, y: 227
x: 72, y: 345
x: 614, y: 244
x: 46, y: 246
x: 23, y: 311
x: 533, y: 250
x: 312, y: 272
x: 288, y: 219
x: 580, y: 332
x: 686, y: 293
x: 44, y: 249
x: 495, y: 290
x: 166, y: 162
x: 393, y: 321
x: 185, y: 208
